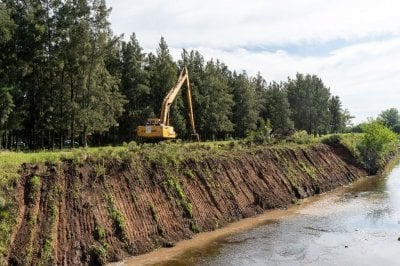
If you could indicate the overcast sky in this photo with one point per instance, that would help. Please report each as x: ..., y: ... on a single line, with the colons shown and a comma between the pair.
x: 353, y: 45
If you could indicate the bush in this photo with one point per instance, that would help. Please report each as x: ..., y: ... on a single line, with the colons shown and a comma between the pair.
x: 301, y: 137
x: 261, y: 135
x: 377, y: 144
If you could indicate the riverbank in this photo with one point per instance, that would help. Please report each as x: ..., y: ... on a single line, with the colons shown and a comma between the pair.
x: 92, y: 210
x: 343, y: 226
x: 171, y: 256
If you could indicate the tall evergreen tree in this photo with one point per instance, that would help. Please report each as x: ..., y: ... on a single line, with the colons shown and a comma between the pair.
x: 277, y: 107
x: 335, y: 111
x: 101, y: 101
x: 245, y: 113
x: 135, y: 86
x: 308, y: 98
x: 163, y: 74
x: 216, y: 102
x: 260, y: 86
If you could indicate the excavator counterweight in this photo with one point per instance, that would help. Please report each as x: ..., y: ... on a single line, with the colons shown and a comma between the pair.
x: 159, y: 128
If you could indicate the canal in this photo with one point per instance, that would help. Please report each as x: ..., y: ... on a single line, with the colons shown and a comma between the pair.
x: 358, y: 224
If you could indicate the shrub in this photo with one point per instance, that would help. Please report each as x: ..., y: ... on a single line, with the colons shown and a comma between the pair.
x: 260, y: 136
x: 301, y: 137
x: 377, y: 144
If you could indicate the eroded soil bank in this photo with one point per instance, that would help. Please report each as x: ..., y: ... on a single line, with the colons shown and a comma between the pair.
x: 90, y: 213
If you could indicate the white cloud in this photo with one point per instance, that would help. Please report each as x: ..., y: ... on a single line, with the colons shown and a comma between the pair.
x: 229, y: 23
x: 364, y: 74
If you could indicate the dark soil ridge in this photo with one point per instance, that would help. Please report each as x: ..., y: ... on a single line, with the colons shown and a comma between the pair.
x: 82, y: 216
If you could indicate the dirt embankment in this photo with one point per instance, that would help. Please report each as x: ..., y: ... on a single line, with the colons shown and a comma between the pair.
x: 88, y: 214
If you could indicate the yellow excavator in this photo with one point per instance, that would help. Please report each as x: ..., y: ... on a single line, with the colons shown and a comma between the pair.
x: 159, y: 128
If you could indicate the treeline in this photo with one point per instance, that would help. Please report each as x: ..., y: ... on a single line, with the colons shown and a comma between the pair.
x: 389, y: 118
x: 66, y: 79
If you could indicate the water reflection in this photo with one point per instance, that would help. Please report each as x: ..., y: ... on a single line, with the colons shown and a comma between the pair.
x: 357, y: 224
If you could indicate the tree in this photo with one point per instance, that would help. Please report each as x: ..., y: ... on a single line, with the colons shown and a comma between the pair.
x: 377, y: 143
x: 260, y: 87
x: 245, y: 111
x: 335, y: 111
x: 277, y: 107
x: 163, y: 74
x: 135, y: 86
x: 308, y: 98
x: 6, y: 107
x: 216, y: 102
x: 390, y: 117
x: 101, y: 101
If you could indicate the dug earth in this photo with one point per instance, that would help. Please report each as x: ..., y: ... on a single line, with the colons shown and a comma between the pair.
x: 83, y: 213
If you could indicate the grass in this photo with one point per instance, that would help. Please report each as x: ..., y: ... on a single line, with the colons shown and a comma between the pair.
x: 117, y: 218
x: 99, y: 233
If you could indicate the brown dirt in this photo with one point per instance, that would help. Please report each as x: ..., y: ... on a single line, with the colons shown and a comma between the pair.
x: 78, y: 218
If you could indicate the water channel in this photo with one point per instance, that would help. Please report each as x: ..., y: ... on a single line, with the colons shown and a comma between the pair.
x: 358, y: 224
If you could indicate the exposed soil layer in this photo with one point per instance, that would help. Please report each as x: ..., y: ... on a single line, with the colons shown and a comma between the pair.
x: 91, y: 213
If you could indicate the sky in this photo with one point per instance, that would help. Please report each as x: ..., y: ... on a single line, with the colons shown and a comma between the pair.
x: 353, y: 45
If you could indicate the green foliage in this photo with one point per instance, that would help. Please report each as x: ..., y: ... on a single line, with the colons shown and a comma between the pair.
x: 215, y: 102
x: 6, y: 105
x: 339, y: 118
x: 277, y: 108
x: 261, y: 135
x: 377, y: 144
x: 301, y: 137
x: 99, y: 169
x: 391, y: 119
x: 115, y: 215
x: 156, y: 218
x: 35, y: 184
x: 99, y: 233
x: 99, y: 255
x: 245, y: 113
x: 175, y: 185
x: 194, y: 227
x: 309, y: 170
x: 351, y: 142
x: 135, y: 83
x: 309, y: 101
x: 46, y: 253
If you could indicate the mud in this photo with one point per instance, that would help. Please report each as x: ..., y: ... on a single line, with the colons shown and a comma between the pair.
x: 91, y: 214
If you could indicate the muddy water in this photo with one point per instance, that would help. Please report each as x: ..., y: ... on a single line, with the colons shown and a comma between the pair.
x: 359, y: 224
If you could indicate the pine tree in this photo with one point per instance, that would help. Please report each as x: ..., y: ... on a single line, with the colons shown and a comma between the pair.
x: 335, y: 110
x: 216, y: 102
x: 308, y: 98
x: 245, y: 113
x: 277, y: 107
x: 135, y: 86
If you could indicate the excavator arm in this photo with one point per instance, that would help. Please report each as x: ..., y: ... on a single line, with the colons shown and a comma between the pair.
x: 169, y: 99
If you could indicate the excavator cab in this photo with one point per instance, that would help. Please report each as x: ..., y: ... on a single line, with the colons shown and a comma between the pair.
x: 154, y: 129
